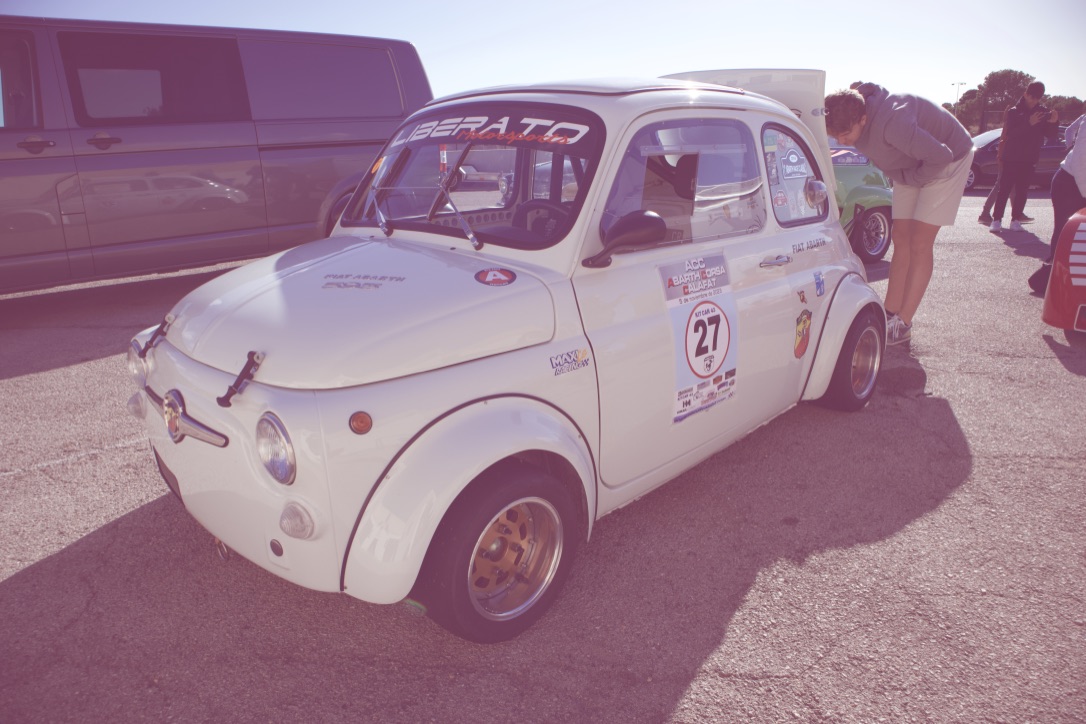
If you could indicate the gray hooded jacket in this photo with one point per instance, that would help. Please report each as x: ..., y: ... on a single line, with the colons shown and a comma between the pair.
x: 910, y: 138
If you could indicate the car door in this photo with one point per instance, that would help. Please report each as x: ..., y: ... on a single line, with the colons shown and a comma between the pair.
x: 694, y: 339
x: 36, y: 164
x: 807, y: 242
x: 149, y: 106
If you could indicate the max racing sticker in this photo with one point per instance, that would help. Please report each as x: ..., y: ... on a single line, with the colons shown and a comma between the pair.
x: 703, y: 323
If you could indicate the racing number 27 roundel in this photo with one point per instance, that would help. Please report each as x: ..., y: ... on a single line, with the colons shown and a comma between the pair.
x: 708, y: 336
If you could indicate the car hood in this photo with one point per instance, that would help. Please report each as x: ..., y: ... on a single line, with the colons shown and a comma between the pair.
x: 342, y: 312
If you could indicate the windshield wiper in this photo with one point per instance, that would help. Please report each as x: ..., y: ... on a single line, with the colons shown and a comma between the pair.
x: 443, y: 190
x: 382, y: 221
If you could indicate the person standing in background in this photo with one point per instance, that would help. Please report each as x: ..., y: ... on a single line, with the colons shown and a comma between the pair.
x: 986, y: 210
x: 927, y: 152
x: 1027, y: 124
x: 1068, y: 196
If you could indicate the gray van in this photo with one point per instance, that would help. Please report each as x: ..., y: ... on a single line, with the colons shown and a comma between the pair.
x: 129, y: 148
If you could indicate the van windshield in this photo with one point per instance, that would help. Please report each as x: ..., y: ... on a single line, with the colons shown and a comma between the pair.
x: 511, y: 174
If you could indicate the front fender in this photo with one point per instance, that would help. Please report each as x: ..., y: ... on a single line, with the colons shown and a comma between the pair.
x: 396, y: 525
x: 849, y: 298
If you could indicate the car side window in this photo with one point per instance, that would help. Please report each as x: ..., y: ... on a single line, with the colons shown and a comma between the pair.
x: 700, y: 175
x: 151, y: 79
x: 18, y: 96
x: 790, y: 164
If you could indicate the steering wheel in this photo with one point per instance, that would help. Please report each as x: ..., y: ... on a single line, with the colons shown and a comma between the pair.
x: 556, y: 213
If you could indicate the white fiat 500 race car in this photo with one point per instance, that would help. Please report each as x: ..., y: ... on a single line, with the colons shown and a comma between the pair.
x: 440, y: 400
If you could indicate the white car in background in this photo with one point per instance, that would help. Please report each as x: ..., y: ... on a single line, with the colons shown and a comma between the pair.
x: 440, y: 400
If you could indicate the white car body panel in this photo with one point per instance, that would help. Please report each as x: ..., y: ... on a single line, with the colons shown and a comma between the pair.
x: 463, y: 357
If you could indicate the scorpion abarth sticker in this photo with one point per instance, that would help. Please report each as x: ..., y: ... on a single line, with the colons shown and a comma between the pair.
x: 703, y: 323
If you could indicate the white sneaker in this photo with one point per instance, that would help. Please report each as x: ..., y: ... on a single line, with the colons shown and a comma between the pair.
x: 897, y: 331
x: 996, y: 225
x: 1015, y: 226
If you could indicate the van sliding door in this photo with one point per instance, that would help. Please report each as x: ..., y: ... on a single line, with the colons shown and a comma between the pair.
x: 322, y: 112
x: 165, y: 148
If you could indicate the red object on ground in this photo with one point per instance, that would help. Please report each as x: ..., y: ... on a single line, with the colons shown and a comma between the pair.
x: 1065, y: 298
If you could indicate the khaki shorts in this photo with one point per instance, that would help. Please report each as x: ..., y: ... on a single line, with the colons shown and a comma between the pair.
x: 937, y: 202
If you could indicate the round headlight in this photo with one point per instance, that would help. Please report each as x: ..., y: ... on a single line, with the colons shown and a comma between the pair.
x: 137, y: 367
x: 274, y: 448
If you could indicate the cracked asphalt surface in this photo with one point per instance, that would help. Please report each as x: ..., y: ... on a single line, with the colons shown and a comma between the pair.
x: 922, y: 560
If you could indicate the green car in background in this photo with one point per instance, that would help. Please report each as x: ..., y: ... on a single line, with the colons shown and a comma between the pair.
x: 865, y: 198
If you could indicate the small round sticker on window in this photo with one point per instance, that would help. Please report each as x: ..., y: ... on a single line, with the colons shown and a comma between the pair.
x: 496, y: 277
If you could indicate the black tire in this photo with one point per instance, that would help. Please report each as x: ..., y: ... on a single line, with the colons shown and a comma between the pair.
x: 501, y: 554
x: 857, y: 370
x: 971, y: 179
x: 871, y: 235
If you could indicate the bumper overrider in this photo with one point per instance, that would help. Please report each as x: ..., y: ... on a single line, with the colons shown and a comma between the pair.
x: 235, y: 467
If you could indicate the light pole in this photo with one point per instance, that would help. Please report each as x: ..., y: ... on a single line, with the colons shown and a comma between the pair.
x: 957, y: 91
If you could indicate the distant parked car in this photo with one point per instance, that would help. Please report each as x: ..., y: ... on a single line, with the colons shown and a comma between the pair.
x: 865, y: 196
x: 986, y: 167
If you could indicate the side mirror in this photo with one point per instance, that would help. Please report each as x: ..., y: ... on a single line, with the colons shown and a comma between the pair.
x: 815, y: 192
x: 635, y: 229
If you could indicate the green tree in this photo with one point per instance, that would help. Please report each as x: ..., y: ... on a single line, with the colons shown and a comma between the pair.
x: 1068, y: 107
x: 982, y: 107
x: 968, y: 109
x: 1000, y: 90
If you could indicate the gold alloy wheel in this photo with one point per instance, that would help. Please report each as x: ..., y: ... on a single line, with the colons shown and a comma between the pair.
x: 865, y: 362
x: 515, y: 559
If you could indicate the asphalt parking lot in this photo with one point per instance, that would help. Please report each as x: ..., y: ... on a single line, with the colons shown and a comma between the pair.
x: 922, y: 560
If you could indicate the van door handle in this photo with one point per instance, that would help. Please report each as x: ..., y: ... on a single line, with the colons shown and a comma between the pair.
x: 36, y: 145
x: 779, y: 260
x: 103, y: 142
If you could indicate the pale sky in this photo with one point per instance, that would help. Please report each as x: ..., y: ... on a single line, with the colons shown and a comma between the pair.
x: 924, y: 47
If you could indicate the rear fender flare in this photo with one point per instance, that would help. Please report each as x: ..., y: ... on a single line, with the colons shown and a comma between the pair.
x: 850, y: 297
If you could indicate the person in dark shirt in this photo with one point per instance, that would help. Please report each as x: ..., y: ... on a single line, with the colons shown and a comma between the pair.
x: 1027, y: 124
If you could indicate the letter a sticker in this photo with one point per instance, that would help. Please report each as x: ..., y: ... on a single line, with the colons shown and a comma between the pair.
x: 496, y: 277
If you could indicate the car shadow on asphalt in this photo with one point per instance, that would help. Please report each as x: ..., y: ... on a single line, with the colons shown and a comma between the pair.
x: 140, y: 619
x: 1071, y: 353
x: 52, y: 329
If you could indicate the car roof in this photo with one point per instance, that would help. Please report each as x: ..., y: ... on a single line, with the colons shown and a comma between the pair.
x: 595, y: 87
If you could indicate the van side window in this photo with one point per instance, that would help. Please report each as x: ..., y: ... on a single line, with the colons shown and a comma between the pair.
x: 700, y: 175
x: 19, y: 106
x: 789, y: 164
x: 310, y: 80
x: 153, y: 79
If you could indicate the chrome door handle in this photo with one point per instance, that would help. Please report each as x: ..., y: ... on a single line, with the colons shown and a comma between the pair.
x: 779, y: 260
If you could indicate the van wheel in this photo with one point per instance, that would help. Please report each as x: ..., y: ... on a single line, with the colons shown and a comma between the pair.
x: 336, y: 212
x: 501, y: 553
x: 871, y: 236
x: 857, y: 370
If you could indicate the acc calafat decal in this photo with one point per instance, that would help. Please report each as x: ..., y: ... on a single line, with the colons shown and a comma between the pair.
x: 704, y: 330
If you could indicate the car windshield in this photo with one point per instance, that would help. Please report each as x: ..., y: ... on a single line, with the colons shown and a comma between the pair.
x: 511, y: 174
